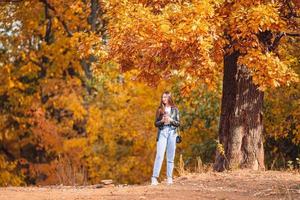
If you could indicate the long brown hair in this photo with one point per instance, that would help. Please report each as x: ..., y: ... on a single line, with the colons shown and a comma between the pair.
x: 161, y: 108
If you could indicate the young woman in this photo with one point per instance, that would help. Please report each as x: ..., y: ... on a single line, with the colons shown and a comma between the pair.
x: 167, y: 121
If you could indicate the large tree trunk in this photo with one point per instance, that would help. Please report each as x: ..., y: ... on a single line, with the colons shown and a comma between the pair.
x: 240, y: 129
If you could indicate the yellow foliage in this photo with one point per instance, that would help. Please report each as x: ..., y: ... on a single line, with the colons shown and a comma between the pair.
x: 268, y: 70
x: 179, y: 34
x: 160, y: 37
x: 282, y: 113
x: 8, y: 173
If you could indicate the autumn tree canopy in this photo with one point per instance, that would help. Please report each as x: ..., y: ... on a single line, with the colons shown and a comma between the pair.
x: 190, y: 38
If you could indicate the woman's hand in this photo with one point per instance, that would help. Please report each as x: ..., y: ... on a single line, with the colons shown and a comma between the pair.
x: 167, y: 119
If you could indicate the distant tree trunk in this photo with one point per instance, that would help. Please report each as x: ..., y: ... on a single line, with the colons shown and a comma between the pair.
x: 240, y: 128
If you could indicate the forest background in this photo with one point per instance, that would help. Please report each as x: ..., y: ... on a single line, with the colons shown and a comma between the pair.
x: 70, y: 116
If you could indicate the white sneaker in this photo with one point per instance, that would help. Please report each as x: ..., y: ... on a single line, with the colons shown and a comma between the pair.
x: 154, y: 181
x: 169, y: 181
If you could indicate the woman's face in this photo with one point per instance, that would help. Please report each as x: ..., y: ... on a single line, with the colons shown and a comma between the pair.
x: 165, y: 98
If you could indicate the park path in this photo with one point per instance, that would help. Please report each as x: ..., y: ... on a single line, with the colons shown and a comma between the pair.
x: 239, y: 185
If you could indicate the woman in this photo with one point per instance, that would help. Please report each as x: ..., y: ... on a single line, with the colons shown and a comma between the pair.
x: 167, y: 121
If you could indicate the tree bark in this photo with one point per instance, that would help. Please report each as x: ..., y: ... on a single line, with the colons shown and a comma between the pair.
x: 240, y: 128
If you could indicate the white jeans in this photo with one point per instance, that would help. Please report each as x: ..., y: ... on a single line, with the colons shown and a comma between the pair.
x: 166, y: 140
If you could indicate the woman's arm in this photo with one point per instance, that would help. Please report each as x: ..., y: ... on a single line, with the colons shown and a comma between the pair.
x: 158, y: 122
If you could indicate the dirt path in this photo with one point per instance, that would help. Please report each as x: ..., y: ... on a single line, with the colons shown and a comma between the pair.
x: 229, y: 185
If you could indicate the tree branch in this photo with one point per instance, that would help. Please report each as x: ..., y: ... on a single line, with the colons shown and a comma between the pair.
x: 49, y: 25
x: 276, y: 41
x: 69, y: 33
x: 293, y: 34
x: 93, y: 15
